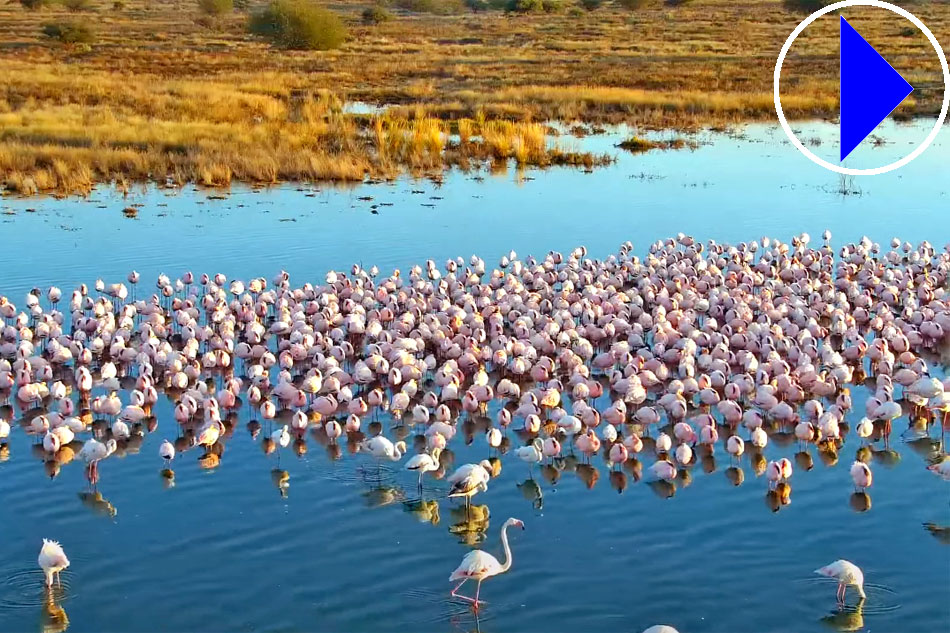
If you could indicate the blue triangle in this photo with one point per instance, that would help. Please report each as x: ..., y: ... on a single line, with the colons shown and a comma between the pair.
x: 870, y: 89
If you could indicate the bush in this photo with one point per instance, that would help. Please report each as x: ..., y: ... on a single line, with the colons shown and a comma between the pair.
x: 525, y: 6
x: 679, y: 3
x: 478, y: 5
x: 118, y: 5
x: 575, y: 11
x: 438, y: 7
x: 591, y: 5
x: 299, y: 24
x: 69, y: 32
x: 552, y: 6
x: 376, y: 15
x: 805, y: 6
x: 32, y: 4
x: 78, y: 5
x: 216, y: 7
x: 633, y: 5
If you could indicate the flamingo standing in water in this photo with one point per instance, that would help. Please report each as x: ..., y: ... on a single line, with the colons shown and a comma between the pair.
x: 846, y: 573
x: 470, y: 479
x: 52, y: 560
x: 493, y: 436
x: 478, y: 565
x: 381, y: 447
x: 94, y: 451
x: 424, y: 463
x: 861, y: 475
x: 166, y: 451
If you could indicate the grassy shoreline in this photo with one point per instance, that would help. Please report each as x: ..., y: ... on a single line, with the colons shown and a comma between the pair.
x: 162, y: 97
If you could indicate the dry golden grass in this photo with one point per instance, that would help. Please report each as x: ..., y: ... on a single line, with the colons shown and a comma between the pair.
x: 160, y: 97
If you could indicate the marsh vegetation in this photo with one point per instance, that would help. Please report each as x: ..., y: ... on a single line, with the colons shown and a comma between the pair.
x: 185, y: 91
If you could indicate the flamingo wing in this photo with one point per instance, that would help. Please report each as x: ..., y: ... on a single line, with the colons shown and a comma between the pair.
x: 464, y: 486
x: 476, y: 564
x: 419, y: 462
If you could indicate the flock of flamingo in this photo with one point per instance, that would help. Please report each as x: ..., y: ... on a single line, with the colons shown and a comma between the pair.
x: 694, y: 348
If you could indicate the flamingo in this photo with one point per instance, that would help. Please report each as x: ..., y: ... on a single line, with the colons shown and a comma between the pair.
x: 333, y: 430
x: 167, y: 452
x: 735, y: 446
x: 52, y: 560
x: 382, y: 448
x: 847, y: 574
x: 664, y: 469
x: 619, y: 454
x: 424, y: 463
x: 478, y: 565
x: 94, y: 451
x: 942, y: 468
x: 531, y: 454
x: 470, y: 479
x: 493, y: 437
x: 861, y: 475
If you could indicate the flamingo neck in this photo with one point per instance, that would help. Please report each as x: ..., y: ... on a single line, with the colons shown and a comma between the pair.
x: 504, y: 542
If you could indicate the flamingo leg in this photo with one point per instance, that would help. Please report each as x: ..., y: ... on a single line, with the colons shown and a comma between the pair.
x: 455, y: 593
x: 478, y: 588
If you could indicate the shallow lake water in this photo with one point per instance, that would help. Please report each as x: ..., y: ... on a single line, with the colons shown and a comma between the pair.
x: 229, y: 549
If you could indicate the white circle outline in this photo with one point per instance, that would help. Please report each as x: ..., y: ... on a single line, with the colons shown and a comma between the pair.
x: 896, y: 164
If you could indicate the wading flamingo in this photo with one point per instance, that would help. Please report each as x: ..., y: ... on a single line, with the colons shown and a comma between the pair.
x: 424, y: 463
x: 846, y: 573
x: 52, y: 560
x: 478, y: 565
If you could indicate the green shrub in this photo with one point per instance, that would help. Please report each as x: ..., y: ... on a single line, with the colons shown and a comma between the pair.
x: 575, y: 11
x: 525, y: 6
x: 552, y: 6
x: 679, y: 3
x: 216, y: 7
x: 78, y: 5
x: 299, y: 24
x: 32, y: 4
x: 805, y: 6
x: 118, y: 5
x: 591, y: 5
x: 69, y: 32
x: 633, y: 5
x: 438, y: 7
x: 376, y: 15
x: 478, y: 5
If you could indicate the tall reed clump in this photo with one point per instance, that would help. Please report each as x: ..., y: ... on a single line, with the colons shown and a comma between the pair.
x: 427, y: 142
x: 525, y: 142
x: 466, y: 128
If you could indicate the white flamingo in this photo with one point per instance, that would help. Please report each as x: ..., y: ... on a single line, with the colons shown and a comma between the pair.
x: 478, y: 565
x: 847, y: 574
x: 424, y: 463
x: 52, y: 560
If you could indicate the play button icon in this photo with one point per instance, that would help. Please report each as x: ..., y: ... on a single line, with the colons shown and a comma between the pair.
x: 870, y: 89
